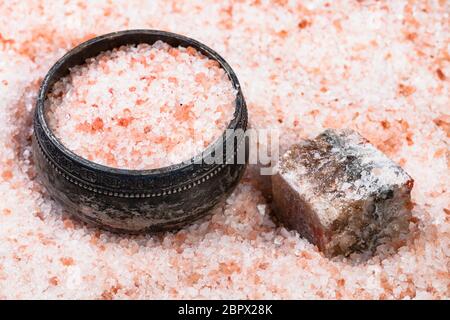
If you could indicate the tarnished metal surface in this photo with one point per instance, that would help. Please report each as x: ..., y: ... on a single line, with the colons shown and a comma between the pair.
x: 130, y: 200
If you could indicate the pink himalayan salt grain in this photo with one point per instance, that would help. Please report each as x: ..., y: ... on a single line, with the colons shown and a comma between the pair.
x: 142, y: 107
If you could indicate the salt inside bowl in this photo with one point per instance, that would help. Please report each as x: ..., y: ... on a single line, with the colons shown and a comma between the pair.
x: 142, y: 106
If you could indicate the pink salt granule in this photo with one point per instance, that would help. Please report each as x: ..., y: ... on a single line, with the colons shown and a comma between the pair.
x: 142, y: 107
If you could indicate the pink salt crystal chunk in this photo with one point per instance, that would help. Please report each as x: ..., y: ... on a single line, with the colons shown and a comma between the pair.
x: 342, y: 194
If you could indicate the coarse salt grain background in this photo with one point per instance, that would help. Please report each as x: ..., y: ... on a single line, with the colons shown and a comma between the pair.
x: 380, y: 67
x: 142, y: 107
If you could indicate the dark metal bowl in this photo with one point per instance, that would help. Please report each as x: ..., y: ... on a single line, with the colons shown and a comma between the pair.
x: 136, y: 200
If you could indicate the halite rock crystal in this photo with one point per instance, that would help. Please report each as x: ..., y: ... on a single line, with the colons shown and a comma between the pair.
x: 342, y: 194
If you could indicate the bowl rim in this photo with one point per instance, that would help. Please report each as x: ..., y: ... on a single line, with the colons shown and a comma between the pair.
x: 49, y: 81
